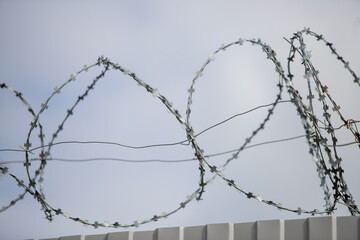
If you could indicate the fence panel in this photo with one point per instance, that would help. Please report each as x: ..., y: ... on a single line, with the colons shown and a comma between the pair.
x: 143, y: 235
x: 120, y: 236
x: 77, y: 237
x: 245, y: 231
x: 195, y: 233
x: 315, y: 228
x: 175, y: 233
x: 222, y: 231
x: 321, y: 228
x: 270, y: 230
x: 297, y: 229
x: 348, y: 228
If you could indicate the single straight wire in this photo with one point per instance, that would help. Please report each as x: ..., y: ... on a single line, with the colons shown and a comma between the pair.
x: 11, y: 150
x: 240, y: 114
x: 113, y: 143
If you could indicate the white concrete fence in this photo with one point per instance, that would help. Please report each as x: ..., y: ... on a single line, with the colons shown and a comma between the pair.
x: 314, y: 228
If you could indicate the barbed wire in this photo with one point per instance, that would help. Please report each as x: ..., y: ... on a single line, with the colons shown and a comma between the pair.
x: 317, y: 130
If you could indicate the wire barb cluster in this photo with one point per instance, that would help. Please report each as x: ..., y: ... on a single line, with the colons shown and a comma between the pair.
x: 319, y: 131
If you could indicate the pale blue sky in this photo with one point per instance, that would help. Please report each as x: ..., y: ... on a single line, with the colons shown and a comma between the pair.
x: 165, y: 42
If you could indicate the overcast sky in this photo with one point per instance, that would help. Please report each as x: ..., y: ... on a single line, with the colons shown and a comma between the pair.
x: 165, y: 43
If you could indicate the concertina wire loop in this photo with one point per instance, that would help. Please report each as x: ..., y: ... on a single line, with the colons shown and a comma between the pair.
x: 325, y: 156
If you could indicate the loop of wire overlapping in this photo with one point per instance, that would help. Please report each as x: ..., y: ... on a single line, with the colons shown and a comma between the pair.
x: 318, y: 132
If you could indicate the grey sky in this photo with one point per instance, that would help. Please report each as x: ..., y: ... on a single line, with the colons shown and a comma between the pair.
x: 165, y: 42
